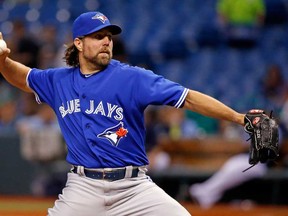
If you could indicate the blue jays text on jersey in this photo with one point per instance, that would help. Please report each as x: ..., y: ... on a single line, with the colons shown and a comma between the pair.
x: 73, y: 106
x: 102, y: 116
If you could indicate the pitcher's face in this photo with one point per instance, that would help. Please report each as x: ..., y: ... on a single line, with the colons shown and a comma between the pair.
x: 96, y: 48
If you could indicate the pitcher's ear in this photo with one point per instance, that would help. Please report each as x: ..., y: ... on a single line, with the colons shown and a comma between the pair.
x: 78, y: 43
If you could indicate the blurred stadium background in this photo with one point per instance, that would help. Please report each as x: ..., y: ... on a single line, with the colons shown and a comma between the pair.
x: 164, y: 34
x: 177, y: 39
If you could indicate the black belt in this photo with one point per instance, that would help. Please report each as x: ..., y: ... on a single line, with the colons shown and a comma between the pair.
x: 110, y: 175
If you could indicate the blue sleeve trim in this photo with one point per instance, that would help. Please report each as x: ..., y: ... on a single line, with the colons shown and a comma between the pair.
x: 181, y: 100
x: 36, y: 95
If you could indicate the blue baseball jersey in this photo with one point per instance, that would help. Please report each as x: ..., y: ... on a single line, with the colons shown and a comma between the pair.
x: 102, y: 115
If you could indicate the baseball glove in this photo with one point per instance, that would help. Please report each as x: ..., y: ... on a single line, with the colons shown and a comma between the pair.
x: 264, y: 136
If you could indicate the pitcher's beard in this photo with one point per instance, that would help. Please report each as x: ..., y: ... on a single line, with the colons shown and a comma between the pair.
x: 99, y: 62
x: 102, y: 61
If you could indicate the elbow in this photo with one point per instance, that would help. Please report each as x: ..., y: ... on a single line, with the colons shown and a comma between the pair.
x: 189, y: 101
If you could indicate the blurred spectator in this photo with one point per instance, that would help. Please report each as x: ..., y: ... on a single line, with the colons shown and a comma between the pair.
x: 175, y: 125
x: 169, y: 124
x: 270, y: 91
x: 230, y: 131
x: 284, y: 124
x: 48, y: 46
x: 151, y: 123
x: 41, y: 143
x: 59, y: 60
x: 27, y: 104
x: 284, y: 117
x: 119, y: 49
x: 24, y: 46
x: 8, y: 109
x: 206, y: 124
x: 158, y: 159
x: 274, y: 88
x: 40, y: 135
x: 241, y: 21
x: 230, y: 175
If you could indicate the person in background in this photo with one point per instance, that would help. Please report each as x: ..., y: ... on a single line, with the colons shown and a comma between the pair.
x: 230, y: 175
x: 9, y: 114
x: 48, y: 46
x: 274, y: 88
x: 24, y: 45
x: 120, y: 50
x: 170, y: 124
x: 41, y: 143
x: 241, y: 21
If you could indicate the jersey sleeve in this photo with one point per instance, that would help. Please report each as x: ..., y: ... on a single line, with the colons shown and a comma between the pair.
x: 156, y: 90
x: 41, y: 82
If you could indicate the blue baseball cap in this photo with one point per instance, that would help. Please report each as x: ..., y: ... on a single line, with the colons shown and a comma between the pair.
x: 90, y: 22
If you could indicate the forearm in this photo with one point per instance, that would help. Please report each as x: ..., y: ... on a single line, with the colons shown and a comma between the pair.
x: 15, y: 73
x: 208, y: 106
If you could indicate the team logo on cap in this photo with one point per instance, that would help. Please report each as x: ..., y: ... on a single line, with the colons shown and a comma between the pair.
x: 100, y: 17
x: 114, y: 134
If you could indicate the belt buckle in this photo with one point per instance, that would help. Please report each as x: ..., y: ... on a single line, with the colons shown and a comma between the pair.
x: 105, y: 172
x: 103, y: 175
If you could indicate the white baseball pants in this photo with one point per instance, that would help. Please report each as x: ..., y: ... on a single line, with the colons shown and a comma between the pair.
x: 83, y: 196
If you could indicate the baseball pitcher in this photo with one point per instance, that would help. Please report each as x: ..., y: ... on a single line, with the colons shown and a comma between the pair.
x: 99, y: 103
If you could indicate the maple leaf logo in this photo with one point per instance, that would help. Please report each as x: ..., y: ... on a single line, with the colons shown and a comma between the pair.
x: 122, y: 132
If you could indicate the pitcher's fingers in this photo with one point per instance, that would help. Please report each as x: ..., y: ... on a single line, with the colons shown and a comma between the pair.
x: 1, y: 37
